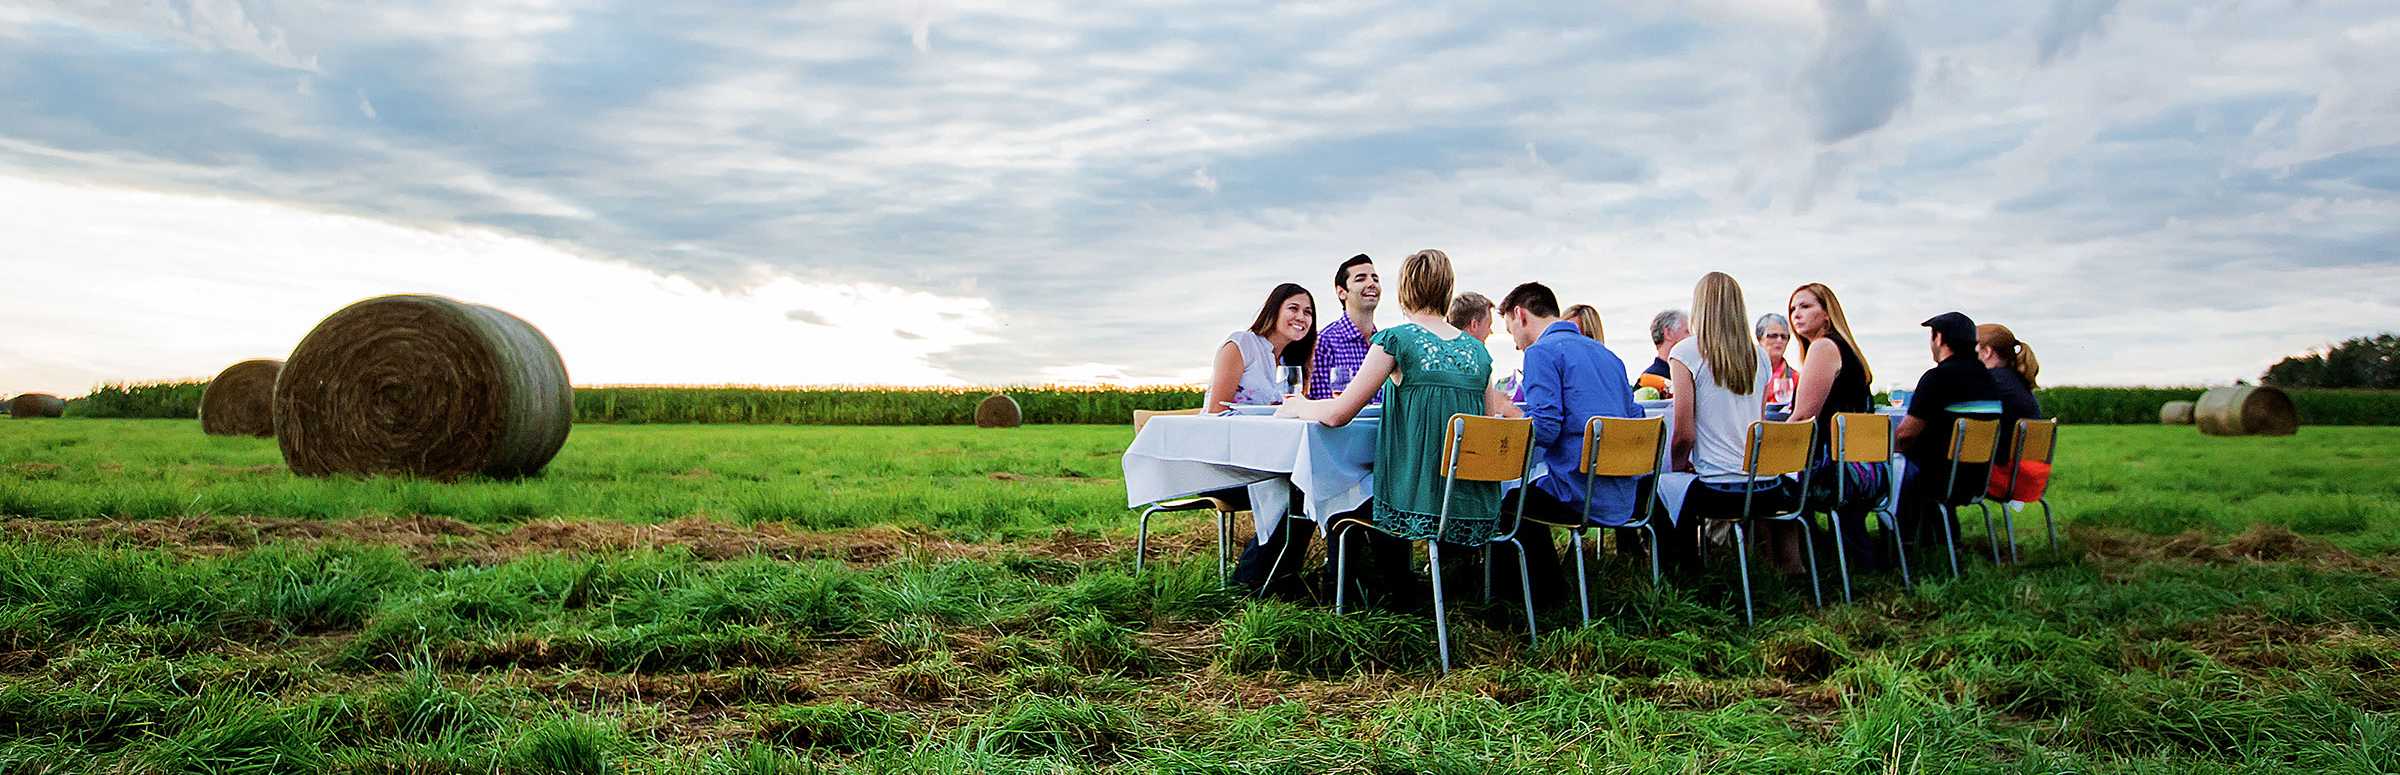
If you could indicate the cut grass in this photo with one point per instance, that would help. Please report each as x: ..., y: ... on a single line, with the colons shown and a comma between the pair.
x: 2183, y: 640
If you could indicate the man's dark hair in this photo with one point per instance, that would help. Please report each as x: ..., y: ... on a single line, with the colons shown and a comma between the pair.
x: 1531, y: 297
x: 1343, y: 273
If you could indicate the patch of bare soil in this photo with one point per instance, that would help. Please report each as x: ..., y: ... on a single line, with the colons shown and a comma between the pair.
x: 2260, y: 543
x: 443, y: 542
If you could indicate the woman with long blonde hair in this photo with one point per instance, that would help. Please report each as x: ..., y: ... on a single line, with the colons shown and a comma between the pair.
x: 1720, y: 381
x: 1586, y: 320
x: 1834, y: 379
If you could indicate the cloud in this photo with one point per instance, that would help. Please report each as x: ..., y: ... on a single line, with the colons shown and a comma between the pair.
x: 2066, y: 25
x: 1862, y: 74
x: 1110, y: 190
x: 811, y: 317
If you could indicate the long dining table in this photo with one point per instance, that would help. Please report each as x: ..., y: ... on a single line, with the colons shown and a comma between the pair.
x: 1332, y: 468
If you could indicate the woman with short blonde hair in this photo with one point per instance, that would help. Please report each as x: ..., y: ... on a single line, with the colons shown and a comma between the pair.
x: 1437, y: 371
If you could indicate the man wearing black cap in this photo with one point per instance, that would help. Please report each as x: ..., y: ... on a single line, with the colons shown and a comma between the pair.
x: 1957, y: 386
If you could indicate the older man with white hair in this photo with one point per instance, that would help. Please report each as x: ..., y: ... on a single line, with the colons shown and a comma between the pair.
x: 1667, y: 329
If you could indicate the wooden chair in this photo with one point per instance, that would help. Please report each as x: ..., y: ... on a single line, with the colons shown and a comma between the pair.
x: 1141, y: 540
x: 1865, y: 438
x: 1614, y: 447
x: 1775, y: 450
x: 1972, y: 443
x: 2036, y: 440
x: 1474, y: 449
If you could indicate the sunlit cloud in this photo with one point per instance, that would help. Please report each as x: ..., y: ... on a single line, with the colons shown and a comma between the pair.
x: 1043, y: 191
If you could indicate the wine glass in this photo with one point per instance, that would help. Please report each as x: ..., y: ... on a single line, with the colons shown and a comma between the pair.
x: 1341, y: 378
x: 1291, y: 378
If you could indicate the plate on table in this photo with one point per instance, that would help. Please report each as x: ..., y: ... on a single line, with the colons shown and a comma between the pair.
x: 1248, y: 410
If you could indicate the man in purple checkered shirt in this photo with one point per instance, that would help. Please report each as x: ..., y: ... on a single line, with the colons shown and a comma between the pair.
x: 1343, y: 343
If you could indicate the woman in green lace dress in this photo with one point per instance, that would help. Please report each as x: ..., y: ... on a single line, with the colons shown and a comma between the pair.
x: 1437, y: 371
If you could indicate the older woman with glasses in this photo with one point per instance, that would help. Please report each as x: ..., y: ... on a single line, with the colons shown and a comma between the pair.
x: 1774, y: 337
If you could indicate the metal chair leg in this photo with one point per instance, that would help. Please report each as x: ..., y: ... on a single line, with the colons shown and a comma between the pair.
x: 1841, y: 554
x: 2049, y: 525
x: 1809, y: 543
x: 1141, y: 540
x: 2008, y: 521
x: 1891, y: 524
x: 1583, y: 587
x: 1950, y: 536
x: 1441, y: 612
x: 1988, y: 533
x: 1655, y: 577
x: 1341, y: 568
x: 1741, y: 548
x: 1525, y: 582
x: 1224, y: 534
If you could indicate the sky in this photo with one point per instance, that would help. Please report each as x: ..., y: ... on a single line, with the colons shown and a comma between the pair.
x: 934, y: 192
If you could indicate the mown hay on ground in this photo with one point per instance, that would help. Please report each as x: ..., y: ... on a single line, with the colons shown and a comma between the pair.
x: 32, y: 405
x: 422, y: 386
x: 241, y: 400
x: 2246, y: 410
x: 998, y: 411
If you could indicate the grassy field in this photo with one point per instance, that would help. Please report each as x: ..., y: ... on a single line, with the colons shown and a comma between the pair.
x: 763, y: 599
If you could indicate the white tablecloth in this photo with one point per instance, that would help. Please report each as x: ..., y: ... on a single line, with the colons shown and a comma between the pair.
x: 1183, y: 456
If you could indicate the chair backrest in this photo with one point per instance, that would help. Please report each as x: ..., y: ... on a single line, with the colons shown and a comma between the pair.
x: 1622, y: 446
x: 2037, y: 440
x: 1974, y: 441
x: 1142, y: 417
x: 1488, y: 449
x: 1778, y: 448
x: 1862, y: 437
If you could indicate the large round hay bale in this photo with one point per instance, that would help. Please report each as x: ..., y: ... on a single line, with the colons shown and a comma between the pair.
x: 241, y: 400
x: 422, y: 386
x: 998, y: 411
x: 2246, y: 410
x: 2175, y: 413
x: 31, y: 405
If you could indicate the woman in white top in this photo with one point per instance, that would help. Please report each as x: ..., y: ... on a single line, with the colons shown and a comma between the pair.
x: 1720, y: 379
x: 1283, y: 334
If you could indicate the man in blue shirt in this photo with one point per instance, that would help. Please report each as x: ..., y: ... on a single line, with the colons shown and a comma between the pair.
x: 1569, y: 378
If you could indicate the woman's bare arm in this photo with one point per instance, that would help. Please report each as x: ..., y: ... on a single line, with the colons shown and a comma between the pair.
x: 1686, y: 433
x: 1339, y: 410
x: 1225, y: 377
x: 1816, y: 381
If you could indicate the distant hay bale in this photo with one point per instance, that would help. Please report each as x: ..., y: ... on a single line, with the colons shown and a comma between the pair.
x: 32, y: 405
x: 2175, y: 413
x: 998, y: 411
x: 422, y: 386
x: 2246, y: 410
x: 241, y: 400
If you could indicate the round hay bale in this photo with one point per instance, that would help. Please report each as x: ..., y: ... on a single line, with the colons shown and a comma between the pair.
x: 422, y: 386
x: 241, y: 400
x: 998, y: 411
x: 32, y: 405
x: 2246, y: 410
x: 2175, y: 413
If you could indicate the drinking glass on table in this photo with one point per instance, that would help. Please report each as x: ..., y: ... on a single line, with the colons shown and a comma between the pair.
x: 1293, y: 379
x: 1341, y: 378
